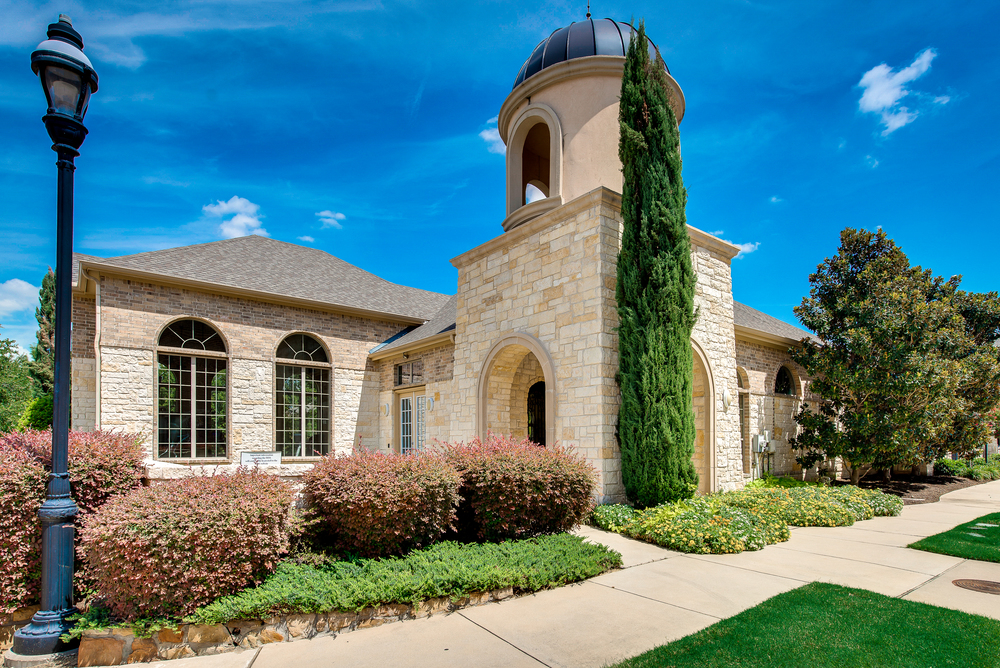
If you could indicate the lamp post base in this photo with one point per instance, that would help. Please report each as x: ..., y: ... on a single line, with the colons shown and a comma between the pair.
x: 12, y: 659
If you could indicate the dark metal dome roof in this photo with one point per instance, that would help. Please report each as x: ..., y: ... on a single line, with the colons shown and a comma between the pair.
x: 603, y: 37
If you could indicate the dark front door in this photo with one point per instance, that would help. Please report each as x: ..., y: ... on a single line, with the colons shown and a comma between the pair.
x: 536, y: 413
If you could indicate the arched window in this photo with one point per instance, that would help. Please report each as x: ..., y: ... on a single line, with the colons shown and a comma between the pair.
x: 302, y: 397
x: 783, y: 381
x: 535, y: 162
x: 192, y: 392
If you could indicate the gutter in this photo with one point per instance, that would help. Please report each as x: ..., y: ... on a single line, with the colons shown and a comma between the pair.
x: 442, y: 337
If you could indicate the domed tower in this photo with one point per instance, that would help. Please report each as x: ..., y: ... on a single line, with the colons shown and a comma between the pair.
x: 560, y: 122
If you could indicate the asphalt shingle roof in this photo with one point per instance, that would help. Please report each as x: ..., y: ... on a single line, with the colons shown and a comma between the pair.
x: 443, y: 321
x: 265, y: 265
x: 744, y: 316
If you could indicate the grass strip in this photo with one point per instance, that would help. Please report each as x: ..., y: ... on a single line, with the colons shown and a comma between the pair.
x: 823, y: 625
x: 445, y: 569
x: 978, y: 539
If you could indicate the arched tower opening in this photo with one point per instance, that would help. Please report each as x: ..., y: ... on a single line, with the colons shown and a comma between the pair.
x: 536, y: 164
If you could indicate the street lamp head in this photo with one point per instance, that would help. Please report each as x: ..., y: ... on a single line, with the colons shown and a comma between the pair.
x: 68, y: 80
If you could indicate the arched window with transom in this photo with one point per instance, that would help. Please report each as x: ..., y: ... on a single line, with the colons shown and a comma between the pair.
x: 302, y: 397
x: 192, y: 409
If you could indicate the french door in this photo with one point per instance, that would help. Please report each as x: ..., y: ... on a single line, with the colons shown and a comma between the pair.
x: 412, y: 422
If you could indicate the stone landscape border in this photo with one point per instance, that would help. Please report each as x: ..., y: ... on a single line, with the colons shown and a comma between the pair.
x: 12, y: 622
x: 119, y: 646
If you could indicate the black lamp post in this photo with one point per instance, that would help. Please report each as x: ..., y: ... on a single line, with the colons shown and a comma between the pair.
x: 68, y: 79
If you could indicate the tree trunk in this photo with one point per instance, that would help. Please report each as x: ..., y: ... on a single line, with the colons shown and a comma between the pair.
x: 855, y: 475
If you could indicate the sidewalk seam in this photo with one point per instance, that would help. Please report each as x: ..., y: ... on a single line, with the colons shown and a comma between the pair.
x: 656, y: 600
x: 501, y: 639
x: 784, y: 546
x: 254, y: 659
x: 927, y: 582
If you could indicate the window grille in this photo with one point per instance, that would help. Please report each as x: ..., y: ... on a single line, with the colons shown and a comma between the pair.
x: 302, y: 398
x: 192, y: 394
x: 410, y: 373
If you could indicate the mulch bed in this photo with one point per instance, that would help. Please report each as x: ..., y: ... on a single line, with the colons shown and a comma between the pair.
x: 917, y: 490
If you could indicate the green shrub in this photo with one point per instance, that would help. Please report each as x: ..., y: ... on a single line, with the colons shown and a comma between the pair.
x: 37, y: 414
x: 745, y: 520
x: 375, y: 504
x: 445, y: 569
x: 517, y: 489
x: 101, y: 465
x: 162, y: 551
x: 976, y: 469
x: 614, y: 517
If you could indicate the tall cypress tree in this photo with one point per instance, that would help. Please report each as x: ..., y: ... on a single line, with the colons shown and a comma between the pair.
x: 655, y: 291
x: 43, y: 362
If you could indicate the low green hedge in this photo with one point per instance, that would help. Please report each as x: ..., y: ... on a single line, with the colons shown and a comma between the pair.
x: 976, y: 469
x: 745, y: 520
x: 445, y: 569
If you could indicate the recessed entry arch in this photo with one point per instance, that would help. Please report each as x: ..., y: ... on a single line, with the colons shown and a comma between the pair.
x: 704, y: 413
x: 514, y: 364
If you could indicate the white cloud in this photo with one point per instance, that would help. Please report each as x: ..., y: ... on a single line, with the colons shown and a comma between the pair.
x: 942, y: 99
x: 775, y: 199
x: 245, y: 217
x: 306, y: 239
x: 165, y: 181
x: 717, y: 233
x: 884, y: 88
x: 331, y: 219
x: 17, y: 295
x: 872, y: 162
x: 841, y: 144
x: 492, y: 138
x: 745, y: 249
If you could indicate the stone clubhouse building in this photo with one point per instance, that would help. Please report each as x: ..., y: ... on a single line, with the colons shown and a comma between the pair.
x: 252, y: 345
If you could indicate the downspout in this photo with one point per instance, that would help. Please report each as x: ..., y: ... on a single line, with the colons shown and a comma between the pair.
x: 97, y: 349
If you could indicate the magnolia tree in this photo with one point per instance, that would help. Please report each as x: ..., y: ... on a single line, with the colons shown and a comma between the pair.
x: 905, y: 364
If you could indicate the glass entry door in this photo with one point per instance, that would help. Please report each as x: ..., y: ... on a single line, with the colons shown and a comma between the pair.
x: 412, y: 422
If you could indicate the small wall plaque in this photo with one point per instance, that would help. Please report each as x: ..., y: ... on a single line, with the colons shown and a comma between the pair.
x: 260, y: 458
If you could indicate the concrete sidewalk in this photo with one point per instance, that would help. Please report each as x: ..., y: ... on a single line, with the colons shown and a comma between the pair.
x: 660, y: 596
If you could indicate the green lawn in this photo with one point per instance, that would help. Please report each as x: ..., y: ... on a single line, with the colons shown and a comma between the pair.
x: 823, y: 625
x: 978, y: 539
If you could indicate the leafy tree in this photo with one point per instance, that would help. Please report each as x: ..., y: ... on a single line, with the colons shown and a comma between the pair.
x: 655, y: 291
x: 896, y: 364
x: 979, y: 387
x: 15, y: 385
x: 43, y: 364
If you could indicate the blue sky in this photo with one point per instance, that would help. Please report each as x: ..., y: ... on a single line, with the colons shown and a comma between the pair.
x: 362, y: 128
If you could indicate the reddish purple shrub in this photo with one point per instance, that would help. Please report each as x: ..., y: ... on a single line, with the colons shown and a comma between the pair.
x: 165, y: 550
x: 517, y: 490
x: 101, y: 464
x: 22, y: 490
x: 376, y: 504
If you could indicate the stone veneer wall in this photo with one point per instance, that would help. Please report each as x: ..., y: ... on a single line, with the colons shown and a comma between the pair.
x: 438, y: 361
x: 549, y: 279
x: 714, y: 334
x: 760, y: 362
x: 133, y: 313
x: 553, y: 278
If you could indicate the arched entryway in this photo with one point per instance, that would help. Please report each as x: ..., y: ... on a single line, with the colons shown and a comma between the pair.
x: 517, y: 390
x: 704, y: 415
